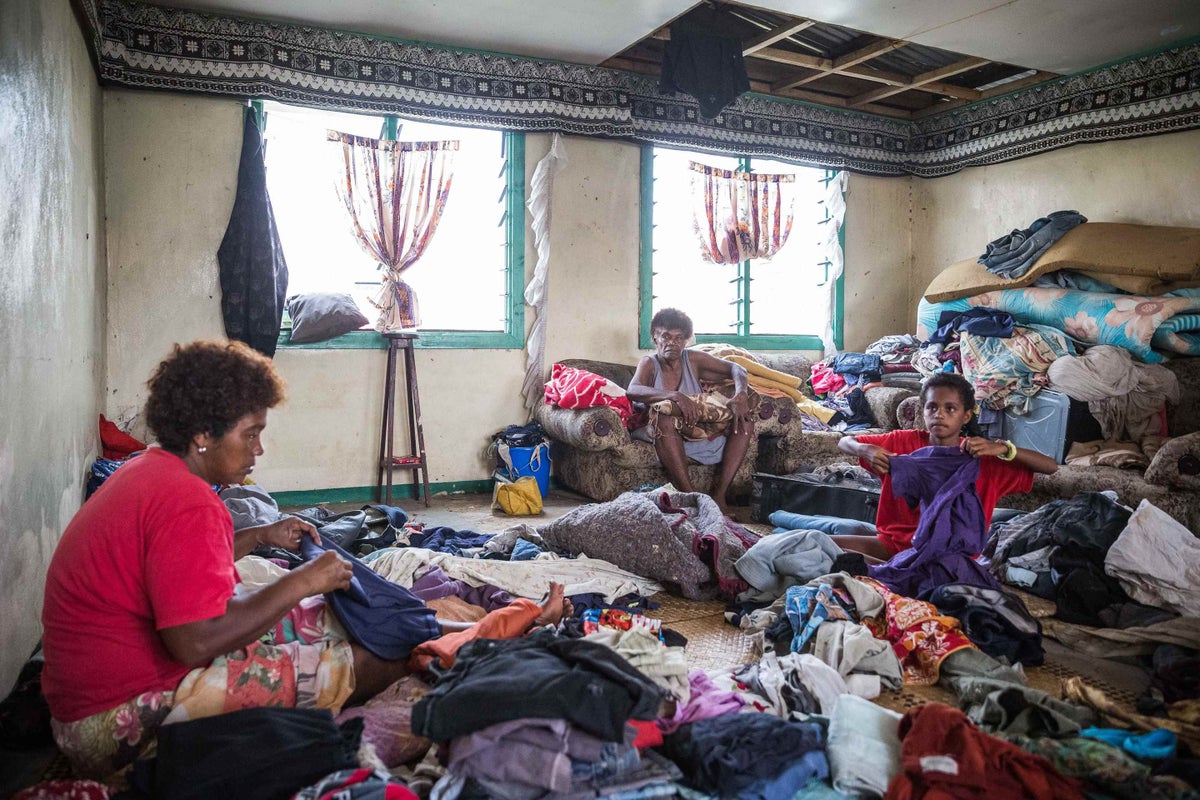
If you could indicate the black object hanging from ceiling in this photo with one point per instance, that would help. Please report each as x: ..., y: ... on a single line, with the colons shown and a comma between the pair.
x: 705, y: 63
x: 254, y: 274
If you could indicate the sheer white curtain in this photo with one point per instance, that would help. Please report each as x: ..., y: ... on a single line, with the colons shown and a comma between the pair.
x: 536, y: 293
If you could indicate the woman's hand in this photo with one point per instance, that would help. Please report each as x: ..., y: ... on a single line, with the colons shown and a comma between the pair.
x: 878, y: 458
x: 739, y: 406
x: 286, y: 533
x: 979, y: 446
x: 689, y: 409
x: 326, y: 573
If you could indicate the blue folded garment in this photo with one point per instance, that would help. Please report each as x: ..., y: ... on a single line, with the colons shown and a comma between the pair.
x: 1153, y: 746
x: 384, y: 617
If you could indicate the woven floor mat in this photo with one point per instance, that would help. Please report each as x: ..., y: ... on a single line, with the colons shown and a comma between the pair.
x: 1039, y: 607
x: 1047, y: 678
x: 714, y: 644
x: 672, y: 609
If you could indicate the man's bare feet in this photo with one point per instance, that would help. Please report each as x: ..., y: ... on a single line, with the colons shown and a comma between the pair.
x: 555, y: 608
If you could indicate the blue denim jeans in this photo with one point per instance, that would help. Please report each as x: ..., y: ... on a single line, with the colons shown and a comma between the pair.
x: 832, y: 526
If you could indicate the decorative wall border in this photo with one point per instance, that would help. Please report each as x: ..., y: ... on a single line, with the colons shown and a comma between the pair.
x: 151, y: 47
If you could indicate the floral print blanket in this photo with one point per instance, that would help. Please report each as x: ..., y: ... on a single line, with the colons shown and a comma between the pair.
x: 1142, y: 325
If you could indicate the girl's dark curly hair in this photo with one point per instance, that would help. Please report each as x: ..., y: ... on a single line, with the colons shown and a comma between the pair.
x: 671, y: 319
x: 206, y: 387
x: 966, y: 393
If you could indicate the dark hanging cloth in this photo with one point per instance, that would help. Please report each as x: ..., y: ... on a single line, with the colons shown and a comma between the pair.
x: 252, y: 754
x: 382, y: 616
x: 254, y: 274
x: 704, y: 64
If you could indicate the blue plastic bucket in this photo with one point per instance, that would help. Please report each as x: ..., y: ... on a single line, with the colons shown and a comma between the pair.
x: 534, y: 462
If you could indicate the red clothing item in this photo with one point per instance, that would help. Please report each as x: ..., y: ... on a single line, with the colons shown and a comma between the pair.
x: 944, y: 756
x: 152, y: 549
x: 115, y: 443
x: 569, y: 387
x: 897, y: 522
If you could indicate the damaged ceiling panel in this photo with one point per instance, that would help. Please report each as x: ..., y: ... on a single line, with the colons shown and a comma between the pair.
x: 801, y: 59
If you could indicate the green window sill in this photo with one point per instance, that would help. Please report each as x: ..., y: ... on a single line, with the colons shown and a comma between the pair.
x: 427, y: 340
x: 763, y: 342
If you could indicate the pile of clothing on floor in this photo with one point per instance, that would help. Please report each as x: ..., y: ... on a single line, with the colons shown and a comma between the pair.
x: 1125, y: 583
x: 604, y: 705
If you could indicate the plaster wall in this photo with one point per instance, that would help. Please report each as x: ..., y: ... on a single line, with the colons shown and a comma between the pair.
x: 1149, y: 181
x: 173, y: 161
x: 172, y: 166
x: 879, y: 234
x: 51, y: 301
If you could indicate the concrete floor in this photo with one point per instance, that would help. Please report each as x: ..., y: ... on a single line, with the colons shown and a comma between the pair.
x: 474, y: 512
x: 471, y: 511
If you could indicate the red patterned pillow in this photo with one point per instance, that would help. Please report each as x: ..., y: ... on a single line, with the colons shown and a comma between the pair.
x: 577, y: 388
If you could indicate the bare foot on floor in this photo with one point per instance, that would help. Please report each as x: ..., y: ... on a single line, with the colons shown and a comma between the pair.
x: 555, y: 608
x: 725, y: 512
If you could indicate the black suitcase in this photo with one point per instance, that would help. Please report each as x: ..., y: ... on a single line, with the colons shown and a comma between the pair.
x: 832, y: 496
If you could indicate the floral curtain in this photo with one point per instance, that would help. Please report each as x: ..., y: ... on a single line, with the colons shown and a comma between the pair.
x: 740, y: 215
x: 395, y: 193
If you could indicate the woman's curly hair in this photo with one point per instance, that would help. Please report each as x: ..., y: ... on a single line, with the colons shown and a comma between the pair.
x: 206, y: 387
x: 671, y: 319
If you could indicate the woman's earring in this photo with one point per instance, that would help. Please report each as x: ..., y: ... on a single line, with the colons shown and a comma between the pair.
x: 201, y: 449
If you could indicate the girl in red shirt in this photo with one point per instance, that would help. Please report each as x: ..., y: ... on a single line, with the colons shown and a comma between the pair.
x: 948, y: 403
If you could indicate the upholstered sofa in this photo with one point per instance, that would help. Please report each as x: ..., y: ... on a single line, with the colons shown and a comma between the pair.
x: 594, y: 455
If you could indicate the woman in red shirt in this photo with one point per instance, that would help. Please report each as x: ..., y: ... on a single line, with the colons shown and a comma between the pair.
x: 143, y: 615
x: 948, y: 403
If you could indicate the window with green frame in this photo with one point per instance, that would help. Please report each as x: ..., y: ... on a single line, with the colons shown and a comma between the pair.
x: 776, y: 304
x: 469, y: 282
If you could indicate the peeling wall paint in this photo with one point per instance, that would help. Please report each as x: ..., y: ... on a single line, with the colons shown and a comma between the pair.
x: 52, y: 301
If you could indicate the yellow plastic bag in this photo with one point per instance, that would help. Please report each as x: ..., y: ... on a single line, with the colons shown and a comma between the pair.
x: 519, y: 498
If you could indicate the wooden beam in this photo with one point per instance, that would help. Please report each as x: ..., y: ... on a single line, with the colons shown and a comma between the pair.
x: 633, y: 64
x: 987, y: 94
x: 957, y: 68
x: 768, y: 38
x: 795, y: 59
x: 851, y: 59
x: 930, y: 82
x: 862, y: 54
x: 825, y: 66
